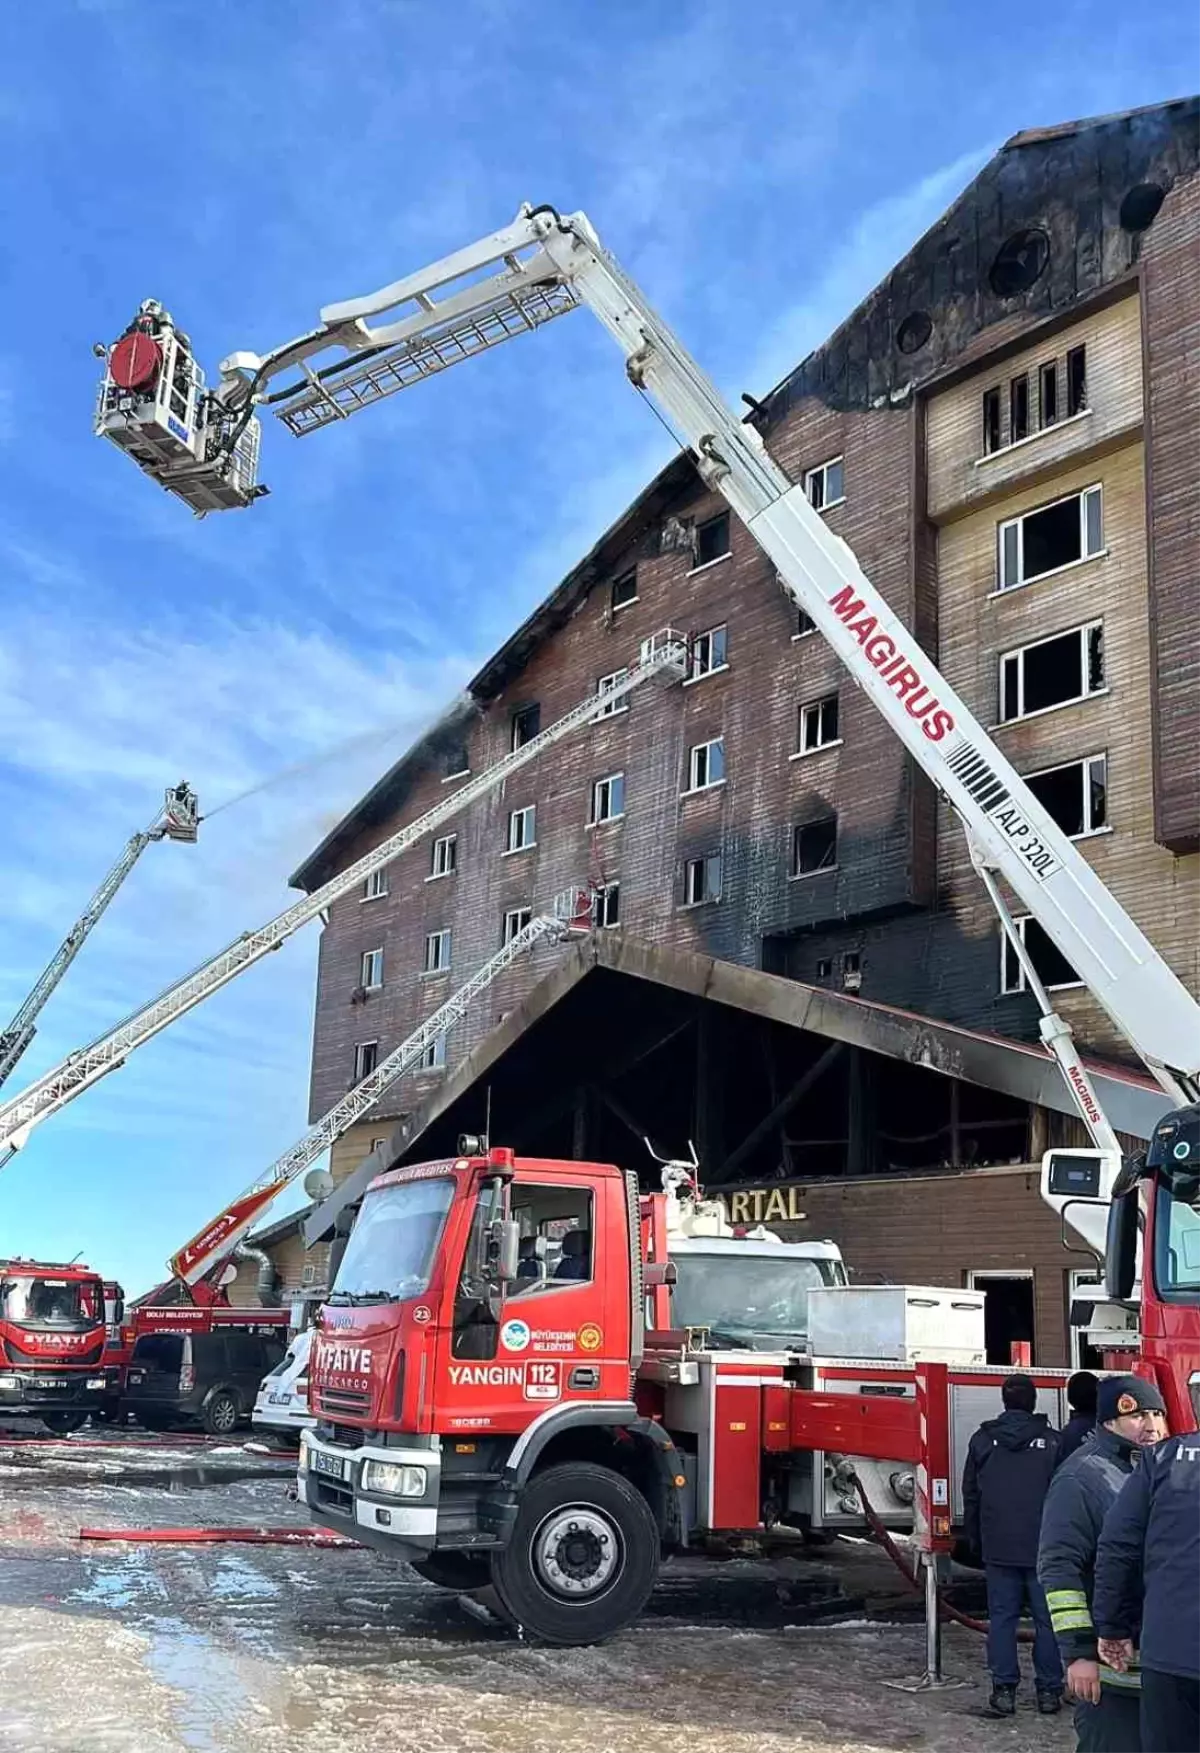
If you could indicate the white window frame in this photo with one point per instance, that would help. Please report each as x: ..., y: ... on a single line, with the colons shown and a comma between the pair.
x: 697, y: 672
x: 600, y: 906
x: 1086, y: 762
x: 370, y: 963
x: 521, y: 839
x: 443, y: 857
x: 375, y: 886
x: 434, y: 1056
x: 798, y: 875
x: 803, y: 632
x: 698, y: 750
x: 515, y: 921
x: 1021, y: 920
x: 439, y: 949
x: 602, y: 793
x: 615, y: 607
x: 821, y: 473
x: 813, y: 711
x: 1018, y: 651
x: 1083, y: 495
x: 717, y: 559
x: 360, y: 1069
x: 702, y: 863
x: 612, y: 707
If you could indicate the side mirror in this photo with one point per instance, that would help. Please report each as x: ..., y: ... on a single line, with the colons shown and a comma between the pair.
x: 1120, y: 1251
x: 506, y: 1252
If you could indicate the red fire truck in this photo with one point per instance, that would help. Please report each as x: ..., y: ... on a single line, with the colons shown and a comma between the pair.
x: 52, y: 1334
x: 501, y: 1395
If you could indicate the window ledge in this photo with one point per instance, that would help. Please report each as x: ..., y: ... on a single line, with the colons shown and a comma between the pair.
x: 516, y: 851
x: 615, y: 713
x: 616, y: 608
x: 717, y: 670
x: 434, y: 973
x: 807, y: 634
x: 708, y: 565
x: 453, y: 778
x: 1042, y: 432
x: 364, y: 899
x: 699, y: 790
x: 1007, y: 590
x: 829, y: 505
x: 1089, y: 834
x: 690, y: 906
x: 1062, y: 986
x: 806, y: 876
x: 368, y: 990
x: 438, y: 876
x: 1059, y: 706
x: 821, y: 748
x: 607, y: 821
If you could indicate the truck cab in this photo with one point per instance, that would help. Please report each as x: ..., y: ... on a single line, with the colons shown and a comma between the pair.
x: 750, y: 1293
x: 52, y: 1332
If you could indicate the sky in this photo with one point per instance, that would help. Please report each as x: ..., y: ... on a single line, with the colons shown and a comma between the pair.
x: 757, y: 167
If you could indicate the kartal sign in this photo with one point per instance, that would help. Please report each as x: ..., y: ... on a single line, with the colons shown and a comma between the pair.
x: 763, y: 1205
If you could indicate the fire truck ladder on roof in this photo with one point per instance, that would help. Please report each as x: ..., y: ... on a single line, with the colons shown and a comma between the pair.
x: 664, y: 654
x: 207, y: 1250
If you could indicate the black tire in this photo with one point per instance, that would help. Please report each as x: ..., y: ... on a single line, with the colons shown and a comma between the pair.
x: 461, y: 1571
x: 220, y: 1413
x: 63, y: 1423
x: 582, y: 1559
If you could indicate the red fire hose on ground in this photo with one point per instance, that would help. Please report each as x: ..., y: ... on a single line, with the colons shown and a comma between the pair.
x: 219, y: 1536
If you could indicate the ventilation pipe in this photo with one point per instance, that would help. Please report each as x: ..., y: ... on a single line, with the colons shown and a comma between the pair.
x: 268, y: 1278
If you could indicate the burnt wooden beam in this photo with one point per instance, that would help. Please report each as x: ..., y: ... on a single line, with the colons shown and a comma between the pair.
x: 782, y: 1108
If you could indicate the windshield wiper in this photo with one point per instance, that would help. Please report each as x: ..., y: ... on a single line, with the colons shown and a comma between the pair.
x: 355, y: 1297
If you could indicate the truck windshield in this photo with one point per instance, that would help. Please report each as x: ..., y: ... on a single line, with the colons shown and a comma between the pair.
x: 52, y: 1302
x: 390, y: 1252
x: 752, y: 1302
x: 1177, y: 1239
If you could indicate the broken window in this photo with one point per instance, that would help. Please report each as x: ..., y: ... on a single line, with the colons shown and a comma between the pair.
x: 825, y: 485
x: 1052, y: 672
x: 991, y: 421
x: 814, y: 846
x: 605, y: 686
x: 624, y: 590
x: 709, y: 652
x: 817, y: 725
x: 1018, y: 408
x: 1048, y: 393
x: 606, y: 906
x: 525, y: 725
x: 515, y: 921
x: 376, y: 886
x: 457, y: 762
x: 1076, y: 381
x: 712, y: 540
x: 437, y: 952
x: 608, y: 798
x: 522, y: 828
x: 824, y: 967
x: 1051, y: 966
x: 706, y: 764
x: 804, y: 624
x: 444, y: 857
x: 1050, y: 538
x: 1075, y: 794
x: 702, y: 880
x: 366, y: 1058
x: 434, y: 1056
x: 370, y: 972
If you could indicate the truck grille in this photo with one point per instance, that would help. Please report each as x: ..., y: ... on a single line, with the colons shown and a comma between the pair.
x: 342, y: 1402
x: 332, y: 1495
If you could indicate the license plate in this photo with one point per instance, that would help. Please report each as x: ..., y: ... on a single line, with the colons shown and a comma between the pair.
x: 278, y: 1399
x: 49, y: 1382
x: 333, y: 1466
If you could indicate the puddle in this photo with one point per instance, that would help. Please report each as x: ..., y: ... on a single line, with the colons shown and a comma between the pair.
x: 212, y: 1694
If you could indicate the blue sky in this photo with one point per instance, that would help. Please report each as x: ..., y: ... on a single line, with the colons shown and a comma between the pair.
x: 757, y: 167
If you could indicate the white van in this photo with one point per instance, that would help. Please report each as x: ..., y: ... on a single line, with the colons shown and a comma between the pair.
x: 281, y: 1408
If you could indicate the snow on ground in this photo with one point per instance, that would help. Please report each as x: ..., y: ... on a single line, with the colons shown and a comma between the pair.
x: 167, y: 1649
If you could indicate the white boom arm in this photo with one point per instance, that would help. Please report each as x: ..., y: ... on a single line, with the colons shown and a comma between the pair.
x: 197, y: 1258
x: 663, y: 654
x: 177, y: 820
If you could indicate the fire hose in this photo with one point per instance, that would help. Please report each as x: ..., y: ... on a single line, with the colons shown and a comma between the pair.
x: 946, y: 1608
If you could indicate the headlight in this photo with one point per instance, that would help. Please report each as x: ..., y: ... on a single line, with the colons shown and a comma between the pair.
x: 10, y: 1382
x: 393, y: 1480
x: 96, y: 1382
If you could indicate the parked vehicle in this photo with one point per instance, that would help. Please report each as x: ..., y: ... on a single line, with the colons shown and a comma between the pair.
x: 281, y: 1409
x: 177, y: 1378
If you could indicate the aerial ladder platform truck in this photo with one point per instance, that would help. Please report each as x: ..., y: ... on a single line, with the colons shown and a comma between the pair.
x: 555, y: 1435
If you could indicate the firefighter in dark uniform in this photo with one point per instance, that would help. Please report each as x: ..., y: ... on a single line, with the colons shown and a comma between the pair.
x: 1148, y: 1576
x: 1130, y: 1417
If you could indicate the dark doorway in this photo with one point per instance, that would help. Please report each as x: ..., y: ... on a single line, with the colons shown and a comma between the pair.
x: 1007, y: 1313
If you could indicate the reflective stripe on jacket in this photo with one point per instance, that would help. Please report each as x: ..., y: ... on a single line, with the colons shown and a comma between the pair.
x: 1080, y: 1495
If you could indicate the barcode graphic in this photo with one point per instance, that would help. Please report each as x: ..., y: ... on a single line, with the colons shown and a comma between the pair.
x: 967, y: 764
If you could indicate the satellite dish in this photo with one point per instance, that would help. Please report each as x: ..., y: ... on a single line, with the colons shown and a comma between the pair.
x: 227, y: 1274
x: 319, y: 1183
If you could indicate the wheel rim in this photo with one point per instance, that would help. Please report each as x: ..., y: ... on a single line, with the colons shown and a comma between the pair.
x: 577, y: 1552
x: 224, y: 1415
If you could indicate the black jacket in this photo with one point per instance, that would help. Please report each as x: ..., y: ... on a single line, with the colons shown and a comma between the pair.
x: 1076, y: 1430
x: 1008, y: 1468
x: 1150, y: 1545
x: 1081, y: 1494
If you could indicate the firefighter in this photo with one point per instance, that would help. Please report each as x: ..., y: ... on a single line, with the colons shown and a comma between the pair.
x: 1148, y: 1576
x: 1129, y: 1418
x: 1009, y: 1464
x: 1081, y: 1398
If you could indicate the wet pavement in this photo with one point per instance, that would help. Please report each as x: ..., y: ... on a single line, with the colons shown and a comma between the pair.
x: 118, y: 1648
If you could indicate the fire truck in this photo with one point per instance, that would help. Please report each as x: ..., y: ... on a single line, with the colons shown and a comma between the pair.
x: 52, y: 1337
x: 552, y: 1438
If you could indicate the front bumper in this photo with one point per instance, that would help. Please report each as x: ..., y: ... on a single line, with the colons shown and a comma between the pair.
x: 35, y: 1391
x: 330, y: 1483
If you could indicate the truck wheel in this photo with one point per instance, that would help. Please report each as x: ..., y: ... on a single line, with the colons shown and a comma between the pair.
x: 63, y: 1423
x: 583, y: 1556
x: 460, y: 1571
x: 220, y: 1413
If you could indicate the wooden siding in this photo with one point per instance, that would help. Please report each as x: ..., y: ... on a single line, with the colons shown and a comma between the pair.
x: 961, y: 477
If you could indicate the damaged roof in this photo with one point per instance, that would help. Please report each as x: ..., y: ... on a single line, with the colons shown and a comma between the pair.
x: 1054, y: 197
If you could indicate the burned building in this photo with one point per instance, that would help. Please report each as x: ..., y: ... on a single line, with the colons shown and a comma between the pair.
x: 1003, y: 432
